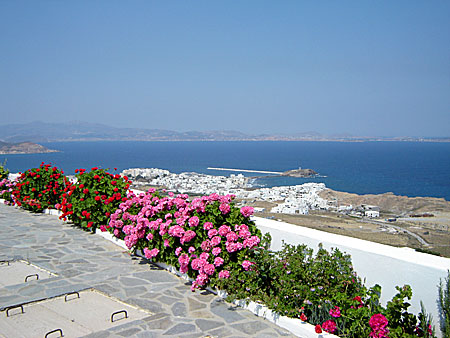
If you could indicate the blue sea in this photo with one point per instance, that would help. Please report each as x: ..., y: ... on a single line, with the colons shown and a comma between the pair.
x: 404, y: 168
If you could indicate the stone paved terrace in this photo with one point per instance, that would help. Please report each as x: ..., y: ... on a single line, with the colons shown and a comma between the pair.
x: 82, y: 260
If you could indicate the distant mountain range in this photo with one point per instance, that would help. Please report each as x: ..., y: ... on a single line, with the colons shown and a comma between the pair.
x: 82, y: 131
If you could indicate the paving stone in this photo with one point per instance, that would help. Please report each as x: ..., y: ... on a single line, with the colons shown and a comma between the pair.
x: 179, y: 329
x: 179, y: 309
x: 152, y: 306
x: 156, y: 316
x: 157, y: 276
x: 202, y: 314
x: 106, y: 288
x: 6, y: 300
x: 173, y: 293
x: 129, y: 332
x: 31, y: 289
x: 78, y: 261
x: 100, y: 334
x: 127, y: 281
x: 70, y: 273
x: 221, y: 332
x: 191, y: 335
x: 160, y: 323
x: 167, y: 300
x: 250, y: 327
x: 161, y: 287
x: 223, y: 310
x: 135, y: 291
x: 147, y: 334
x: 195, y: 305
x: 206, y: 325
x: 282, y: 332
x: 264, y: 335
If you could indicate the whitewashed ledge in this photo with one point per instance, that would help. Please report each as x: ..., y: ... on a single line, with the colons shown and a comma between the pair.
x: 375, y: 263
x: 296, y: 326
x: 53, y: 212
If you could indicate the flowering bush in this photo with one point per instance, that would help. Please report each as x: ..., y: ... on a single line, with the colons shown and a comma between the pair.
x: 323, y: 290
x: 6, y: 189
x: 40, y: 188
x: 91, y: 200
x: 444, y: 304
x: 6, y: 186
x: 208, y: 238
x: 4, y: 173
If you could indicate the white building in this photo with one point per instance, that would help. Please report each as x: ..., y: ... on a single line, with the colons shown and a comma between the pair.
x: 372, y: 213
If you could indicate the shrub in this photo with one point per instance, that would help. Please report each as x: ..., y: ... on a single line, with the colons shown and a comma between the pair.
x: 90, y: 201
x: 444, y: 305
x: 324, y: 290
x: 6, y: 189
x: 4, y: 173
x: 40, y: 188
x: 208, y: 238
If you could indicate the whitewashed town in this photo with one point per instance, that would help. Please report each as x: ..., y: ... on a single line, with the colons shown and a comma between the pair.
x: 297, y: 199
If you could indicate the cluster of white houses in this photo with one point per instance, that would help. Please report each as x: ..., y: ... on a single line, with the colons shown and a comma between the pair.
x: 297, y: 199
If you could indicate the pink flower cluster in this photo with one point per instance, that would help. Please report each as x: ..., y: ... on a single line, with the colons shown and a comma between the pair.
x: 6, y: 189
x: 204, y: 242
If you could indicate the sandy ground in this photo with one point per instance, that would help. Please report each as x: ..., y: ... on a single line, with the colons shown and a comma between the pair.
x: 435, y: 231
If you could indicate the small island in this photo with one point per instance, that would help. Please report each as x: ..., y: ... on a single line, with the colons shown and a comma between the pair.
x: 300, y: 173
x: 23, y: 148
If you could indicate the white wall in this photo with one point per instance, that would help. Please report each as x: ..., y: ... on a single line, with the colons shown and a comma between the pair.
x: 378, y: 263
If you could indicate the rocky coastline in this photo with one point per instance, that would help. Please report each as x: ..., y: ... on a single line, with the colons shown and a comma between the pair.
x: 300, y: 173
x: 24, y: 148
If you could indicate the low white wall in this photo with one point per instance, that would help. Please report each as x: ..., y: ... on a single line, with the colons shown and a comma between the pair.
x: 376, y: 263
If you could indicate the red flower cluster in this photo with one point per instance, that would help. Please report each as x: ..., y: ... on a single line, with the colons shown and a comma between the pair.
x: 90, y: 201
x: 40, y: 188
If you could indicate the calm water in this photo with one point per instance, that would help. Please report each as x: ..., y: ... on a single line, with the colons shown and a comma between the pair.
x: 404, y: 168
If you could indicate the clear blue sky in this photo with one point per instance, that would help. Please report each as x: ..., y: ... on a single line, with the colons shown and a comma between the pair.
x: 375, y: 68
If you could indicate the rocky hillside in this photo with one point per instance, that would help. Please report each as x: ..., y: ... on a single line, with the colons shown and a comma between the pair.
x: 23, y: 148
x: 389, y: 202
x: 300, y: 173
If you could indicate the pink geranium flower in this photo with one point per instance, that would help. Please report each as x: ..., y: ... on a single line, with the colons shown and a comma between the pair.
x: 207, y: 225
x: 193, y: 221
x: 218, y: 261
x: 231, y: 237
x: 224, y: 229
x: 183, y: 260
x: 209, y: 269
x: 212, y: 233
x: 216, y: 251
x: 224, y: 208
x: 150, y: 253
x: 247, y: 211
x: 215, y: 241
x: 247, y: 264
x: 224, y: 274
